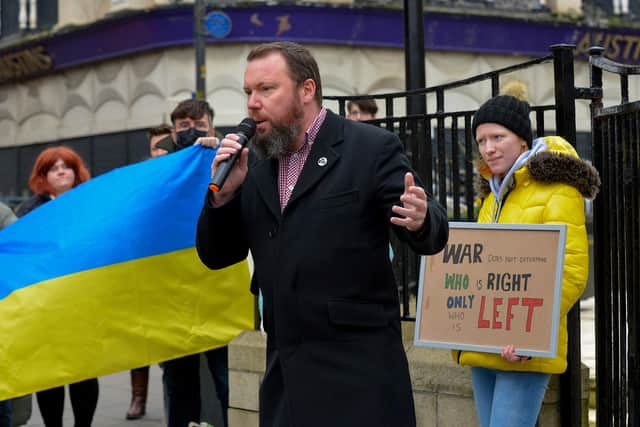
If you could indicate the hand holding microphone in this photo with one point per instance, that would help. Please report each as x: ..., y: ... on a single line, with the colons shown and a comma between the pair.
x: 244, y: 133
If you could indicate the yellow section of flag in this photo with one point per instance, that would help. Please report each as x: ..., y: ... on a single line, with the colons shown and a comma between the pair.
x: 118, y: 317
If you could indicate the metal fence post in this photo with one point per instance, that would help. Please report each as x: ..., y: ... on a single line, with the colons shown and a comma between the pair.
x: 416, y: 106
x: 414, y: 55
x: 565, y: 96
x: 200, y: 46
x: 601, y: 252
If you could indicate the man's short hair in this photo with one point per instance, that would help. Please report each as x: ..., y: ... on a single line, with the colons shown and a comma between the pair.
x: 159, y: 130
x: 302, y: 65
x: 192, y: 109
x: 368, y: 106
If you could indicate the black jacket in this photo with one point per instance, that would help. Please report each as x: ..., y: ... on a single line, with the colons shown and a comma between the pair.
x: 31, y: 203
x: 331, y: 308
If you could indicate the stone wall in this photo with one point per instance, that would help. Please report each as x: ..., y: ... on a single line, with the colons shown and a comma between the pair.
x: 442, y: 389
x: 246, y: 368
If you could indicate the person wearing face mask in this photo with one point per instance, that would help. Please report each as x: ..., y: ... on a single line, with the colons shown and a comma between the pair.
x: 57, y: 170
x: 192, y: 123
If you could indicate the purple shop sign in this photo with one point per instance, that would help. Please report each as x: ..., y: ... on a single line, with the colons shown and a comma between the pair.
x: 168, y: 27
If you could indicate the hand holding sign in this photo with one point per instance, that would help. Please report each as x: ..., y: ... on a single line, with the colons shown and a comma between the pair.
x: 508, y: 353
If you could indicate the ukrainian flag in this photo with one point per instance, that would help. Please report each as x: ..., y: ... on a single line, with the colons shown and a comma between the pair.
x: 106, y: 278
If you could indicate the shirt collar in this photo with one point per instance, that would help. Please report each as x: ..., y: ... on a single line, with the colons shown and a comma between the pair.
x: 311, y: 133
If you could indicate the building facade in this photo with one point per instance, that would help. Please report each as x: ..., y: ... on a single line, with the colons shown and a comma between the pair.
x: 95, y: 75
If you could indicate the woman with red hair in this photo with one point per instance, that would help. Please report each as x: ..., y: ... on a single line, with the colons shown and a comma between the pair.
x: 56, y: 170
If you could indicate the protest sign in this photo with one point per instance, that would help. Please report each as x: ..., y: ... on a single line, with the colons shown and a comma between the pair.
x: 493, y: 285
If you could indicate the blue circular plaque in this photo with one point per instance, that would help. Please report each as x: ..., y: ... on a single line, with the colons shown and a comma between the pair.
x: 218, y: 24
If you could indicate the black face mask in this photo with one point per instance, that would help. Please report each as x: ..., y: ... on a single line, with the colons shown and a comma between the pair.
x: 186, y: 138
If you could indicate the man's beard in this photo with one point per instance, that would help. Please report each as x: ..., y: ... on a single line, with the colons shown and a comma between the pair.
x: 276, y: 144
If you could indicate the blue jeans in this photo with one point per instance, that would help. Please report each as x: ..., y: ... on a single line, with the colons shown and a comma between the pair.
x: 181, y: 379
x: 6, y: 408
x: 505, y: 398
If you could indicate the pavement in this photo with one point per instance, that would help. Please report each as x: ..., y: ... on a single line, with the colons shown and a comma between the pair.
x: 588, y: 335
x: 588, y: 343
x: 115, y: 390
x: 115, y: 396
x: 113, y: 402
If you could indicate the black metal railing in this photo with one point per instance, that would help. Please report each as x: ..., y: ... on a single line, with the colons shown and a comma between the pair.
x: 616, y: 135
x: 441, y: 149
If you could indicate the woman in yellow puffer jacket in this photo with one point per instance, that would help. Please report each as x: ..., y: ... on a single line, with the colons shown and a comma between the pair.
x: 527, y: 182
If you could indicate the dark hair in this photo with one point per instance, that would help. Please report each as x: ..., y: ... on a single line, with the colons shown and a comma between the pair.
x: 300, y: 62
x: 192, y: 109
x: 365, y: 105
x: 45, y: 161
x: 159, y: 130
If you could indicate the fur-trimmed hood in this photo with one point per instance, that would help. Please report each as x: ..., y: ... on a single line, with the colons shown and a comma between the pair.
x: 559, y: 163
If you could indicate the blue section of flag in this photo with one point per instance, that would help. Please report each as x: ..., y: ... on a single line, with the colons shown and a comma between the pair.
x: 137, y: 211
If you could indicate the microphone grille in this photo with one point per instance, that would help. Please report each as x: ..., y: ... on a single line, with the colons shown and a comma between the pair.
x: 248, y: 127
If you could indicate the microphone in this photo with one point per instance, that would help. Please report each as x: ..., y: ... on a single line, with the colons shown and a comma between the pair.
x: 245, y: 131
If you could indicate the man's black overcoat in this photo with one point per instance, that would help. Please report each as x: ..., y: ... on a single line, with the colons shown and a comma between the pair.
x: 334, y: 349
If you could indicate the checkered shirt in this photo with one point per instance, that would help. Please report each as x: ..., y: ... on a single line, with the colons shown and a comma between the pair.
x: 290, y: 166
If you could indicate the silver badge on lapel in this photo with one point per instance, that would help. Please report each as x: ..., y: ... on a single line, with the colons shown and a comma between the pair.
x: 322, y: 161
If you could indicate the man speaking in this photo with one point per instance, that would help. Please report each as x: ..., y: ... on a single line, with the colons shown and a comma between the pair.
x: 314, y: 206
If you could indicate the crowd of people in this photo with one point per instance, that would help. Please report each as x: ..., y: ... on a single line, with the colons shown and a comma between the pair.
x: 313, y: 199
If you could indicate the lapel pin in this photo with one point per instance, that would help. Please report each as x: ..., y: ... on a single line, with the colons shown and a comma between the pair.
x: 322, y: 161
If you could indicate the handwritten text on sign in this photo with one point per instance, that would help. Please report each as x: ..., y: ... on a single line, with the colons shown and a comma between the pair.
x: 493, y: 285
